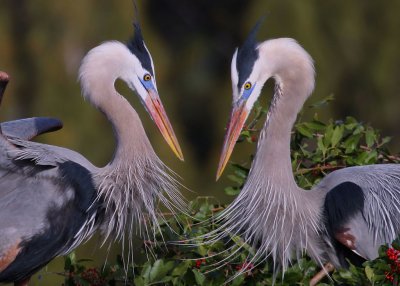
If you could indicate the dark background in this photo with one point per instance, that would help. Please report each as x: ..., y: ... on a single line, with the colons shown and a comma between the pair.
x: 355, y: 46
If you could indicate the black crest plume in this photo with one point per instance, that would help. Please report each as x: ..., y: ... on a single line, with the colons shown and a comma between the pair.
x: 247, y: 54
x: 137, y: 47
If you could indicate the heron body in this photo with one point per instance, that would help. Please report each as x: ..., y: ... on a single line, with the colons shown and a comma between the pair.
x: 52, y: 199
x: 352, y: 210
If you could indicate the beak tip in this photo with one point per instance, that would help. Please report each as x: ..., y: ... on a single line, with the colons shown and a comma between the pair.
x: 178, y: 151
x: 176, y: 148
x: 219, y: 173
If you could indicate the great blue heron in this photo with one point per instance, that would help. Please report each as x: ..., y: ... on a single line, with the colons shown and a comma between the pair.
x: 52, y: 199
x: 352, y: 210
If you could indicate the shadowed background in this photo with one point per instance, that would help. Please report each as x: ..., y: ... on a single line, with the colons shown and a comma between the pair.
x: 355, y: 46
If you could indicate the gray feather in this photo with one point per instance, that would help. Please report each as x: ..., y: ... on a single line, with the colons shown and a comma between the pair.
x: 381, y: 215
x: 28, y: 128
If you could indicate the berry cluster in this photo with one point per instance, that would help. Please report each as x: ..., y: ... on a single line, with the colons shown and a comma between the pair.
x: 392, y: 254
x: 394, y: 260
x: 246, y: 266
x: 200, y: 262
x: 93, y: 276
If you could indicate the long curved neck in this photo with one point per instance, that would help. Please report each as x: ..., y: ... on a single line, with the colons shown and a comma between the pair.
x: 130, y: 136
x: 273, y: 153
x: 98, y: 73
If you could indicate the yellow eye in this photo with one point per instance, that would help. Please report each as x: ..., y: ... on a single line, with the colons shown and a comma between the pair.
x: 147, y: 77
x: 247, y: 85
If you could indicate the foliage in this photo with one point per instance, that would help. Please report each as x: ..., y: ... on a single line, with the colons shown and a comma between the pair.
x: 317, y: 149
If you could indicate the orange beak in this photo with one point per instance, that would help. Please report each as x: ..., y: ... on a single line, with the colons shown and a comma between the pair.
x: 157, y: 113
x: 238, y: 117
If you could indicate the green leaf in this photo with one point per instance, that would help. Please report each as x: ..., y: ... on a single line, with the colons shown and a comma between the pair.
x: 164, y: 280
x: 315, y: 125
x: 337, y: 135
x: 181, y: 268
x: 200, y: 278
x: 345, y: 274
x: 369, y: 272
x: 351, y: 123
x: 159, y: 270
x: 139, y: 281
x: 70, y: 260
x: 321, y: 146
x: 359, y: 129
x: 241, y: 173
x: 205, y: 207
x: 351, y: 143
x: 146, y: 272
x: 328, y: 135
x: 364, y: 157
x: 372, y: 157
x: 232, y: 191
x: 201, y: 250
x: 236, y: 179
x: 323, y: 101
x: 386, y: 140
x: 304, y: 130
x: 245, y: 133
x: 370, y: 137
x: 238, y: 280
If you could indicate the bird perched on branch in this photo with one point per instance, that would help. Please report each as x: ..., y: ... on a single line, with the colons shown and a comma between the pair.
x: 52, y: 199
x: 352, y: 211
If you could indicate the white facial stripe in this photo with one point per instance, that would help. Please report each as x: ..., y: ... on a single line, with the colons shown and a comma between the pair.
x: 140, y: 89
x: 234, y: 76
x: 152, y: 66
x: 234, y: 72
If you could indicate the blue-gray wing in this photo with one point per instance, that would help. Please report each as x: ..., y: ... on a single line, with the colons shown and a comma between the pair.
x: 48, y: 155
x: 45, y: 210
x: 375, y: 191
x: 28, y: 128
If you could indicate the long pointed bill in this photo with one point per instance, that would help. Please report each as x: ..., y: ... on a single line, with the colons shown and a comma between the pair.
x: 238, y: 117
x: 157, y: 113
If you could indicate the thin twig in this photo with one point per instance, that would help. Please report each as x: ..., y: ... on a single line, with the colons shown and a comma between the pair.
x: 320, y: 275
x: 318, y: 168
x: 214, y: 210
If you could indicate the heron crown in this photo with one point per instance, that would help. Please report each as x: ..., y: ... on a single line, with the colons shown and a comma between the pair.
x: 246, y: 55
x: 137, y: 47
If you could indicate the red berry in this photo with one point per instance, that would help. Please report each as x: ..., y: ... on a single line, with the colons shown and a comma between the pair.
x: 199, y: 262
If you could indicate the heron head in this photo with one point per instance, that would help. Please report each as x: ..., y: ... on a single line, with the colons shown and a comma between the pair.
x: 247, y: 83
x: 142, y: 79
